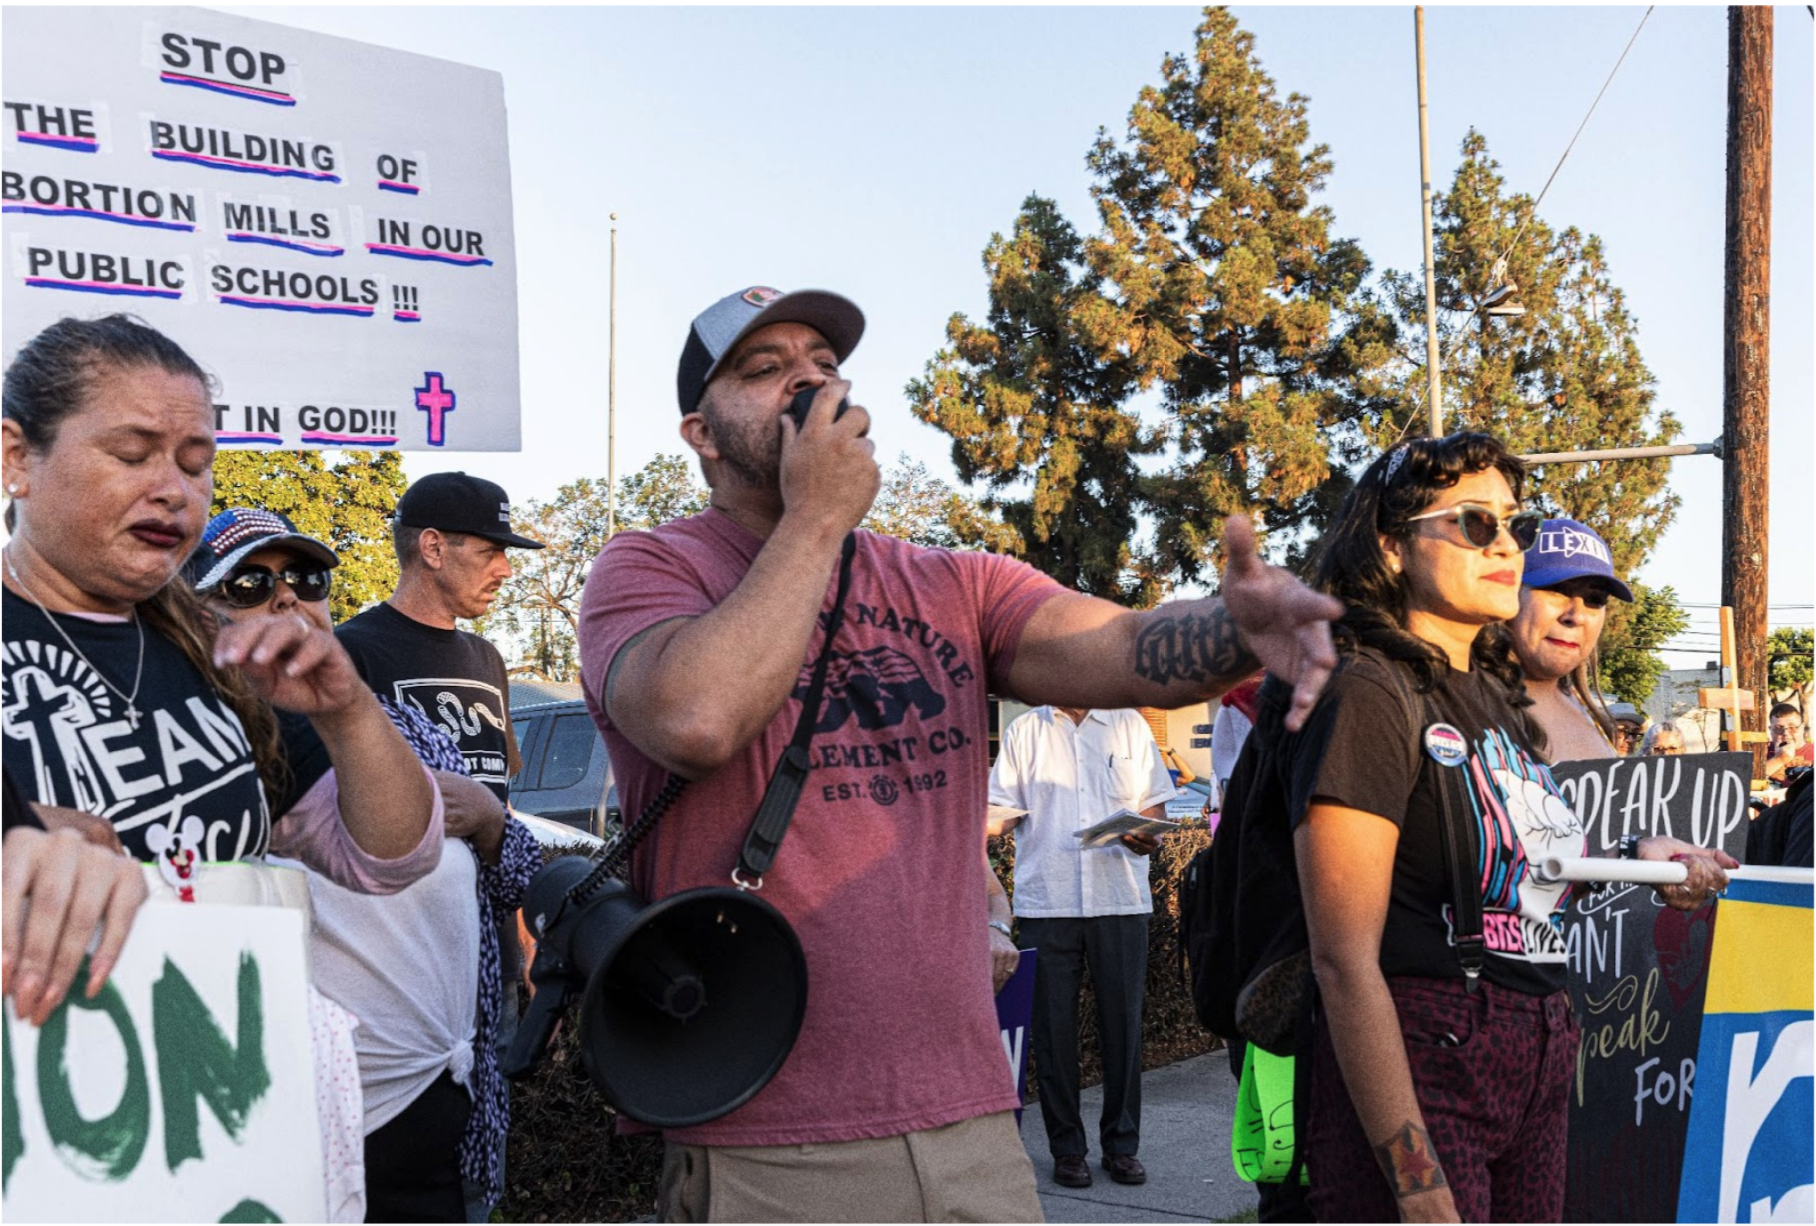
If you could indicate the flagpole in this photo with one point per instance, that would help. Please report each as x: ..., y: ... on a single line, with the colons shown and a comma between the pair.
x: 611, y: 397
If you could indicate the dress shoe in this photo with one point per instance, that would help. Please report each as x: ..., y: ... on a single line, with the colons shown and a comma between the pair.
x: 1070, y: 1171
x: 1125, y: 1168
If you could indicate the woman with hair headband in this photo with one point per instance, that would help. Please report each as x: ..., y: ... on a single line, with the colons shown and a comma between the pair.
x: 1434, y: 1092
x: 1564, y: 598
x: 122, y: 697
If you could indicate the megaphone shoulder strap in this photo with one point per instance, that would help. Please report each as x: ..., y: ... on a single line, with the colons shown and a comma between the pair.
x: 779, y: 799
x: 784, y: 791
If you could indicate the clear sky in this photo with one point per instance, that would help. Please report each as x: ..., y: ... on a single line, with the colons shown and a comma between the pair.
x: 875, y: 150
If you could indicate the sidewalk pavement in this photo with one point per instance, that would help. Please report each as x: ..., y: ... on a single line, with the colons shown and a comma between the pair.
x: 1186, y: 1112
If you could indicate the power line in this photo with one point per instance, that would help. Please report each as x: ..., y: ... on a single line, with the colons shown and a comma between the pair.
x: 1444, y: 359
x: 1579, y: 129
x: 1703, y: 604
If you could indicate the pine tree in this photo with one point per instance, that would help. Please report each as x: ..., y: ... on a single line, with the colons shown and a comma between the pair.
x: 1214, y: 282
x: 1229, y: 292
x: 1031, y: 395
x: 347, y: 505
x: 1567, y: 375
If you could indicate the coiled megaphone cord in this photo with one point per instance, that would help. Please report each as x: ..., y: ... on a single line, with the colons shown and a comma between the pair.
x: 613, y: 859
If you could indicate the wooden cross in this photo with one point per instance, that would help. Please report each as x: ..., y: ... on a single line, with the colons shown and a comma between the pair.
x: 1730, y: 698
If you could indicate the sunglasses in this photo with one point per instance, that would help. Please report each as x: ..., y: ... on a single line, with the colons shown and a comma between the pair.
x: 248, y: 587
x: 1481, y: 527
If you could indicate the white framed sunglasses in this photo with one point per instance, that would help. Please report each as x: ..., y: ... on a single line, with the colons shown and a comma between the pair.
x: 1481, y: 526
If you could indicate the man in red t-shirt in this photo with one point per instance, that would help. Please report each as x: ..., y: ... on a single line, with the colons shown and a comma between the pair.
x: 695, y: 642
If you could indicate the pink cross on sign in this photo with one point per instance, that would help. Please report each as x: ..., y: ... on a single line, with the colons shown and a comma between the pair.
x: 437, y: 401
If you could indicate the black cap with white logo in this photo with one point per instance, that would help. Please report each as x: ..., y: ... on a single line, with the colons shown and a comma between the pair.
x: 717, y: 330
x: 455, y: 502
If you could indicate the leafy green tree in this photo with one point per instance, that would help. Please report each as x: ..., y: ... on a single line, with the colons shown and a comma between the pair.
x: 347, y: 504
x: 920, y: 508
x: 1789, y: 650
x: 1567, y: 375
x: 539, y: 606
x: 1630, y: 663
x: 661, y: 490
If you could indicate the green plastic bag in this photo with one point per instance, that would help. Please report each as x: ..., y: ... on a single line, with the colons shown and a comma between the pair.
x: 1262, y: 1141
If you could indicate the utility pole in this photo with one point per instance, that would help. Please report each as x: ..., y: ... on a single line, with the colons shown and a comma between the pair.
x: 1746, y: 348
x: 1434, y: 391
x: 611, y: 397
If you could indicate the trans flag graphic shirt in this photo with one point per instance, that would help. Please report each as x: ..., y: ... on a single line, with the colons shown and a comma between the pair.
x: 1364, y: 748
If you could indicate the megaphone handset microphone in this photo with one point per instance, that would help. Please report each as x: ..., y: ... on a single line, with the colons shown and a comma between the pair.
x: 689, y: 1006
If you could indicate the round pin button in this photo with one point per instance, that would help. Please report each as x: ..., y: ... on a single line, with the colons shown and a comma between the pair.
x: 1446, y: 745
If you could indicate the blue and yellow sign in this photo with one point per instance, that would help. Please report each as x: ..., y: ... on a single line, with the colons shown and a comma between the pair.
x: 1750, y: 1120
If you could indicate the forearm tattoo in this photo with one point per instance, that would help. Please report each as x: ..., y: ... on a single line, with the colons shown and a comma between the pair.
x: 1192, y: 647
x: 1409, y: 1161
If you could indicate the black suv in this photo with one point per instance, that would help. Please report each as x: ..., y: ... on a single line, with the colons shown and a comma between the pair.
x: 566, y: 775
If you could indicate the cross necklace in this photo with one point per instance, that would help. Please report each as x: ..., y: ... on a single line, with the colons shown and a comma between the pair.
x: 138, y: 673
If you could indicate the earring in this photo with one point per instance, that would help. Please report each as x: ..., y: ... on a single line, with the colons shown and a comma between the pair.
x: 12, y: 487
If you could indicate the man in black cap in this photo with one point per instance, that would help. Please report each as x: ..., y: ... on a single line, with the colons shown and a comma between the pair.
x: 695, y: 639
x: 451, y: 531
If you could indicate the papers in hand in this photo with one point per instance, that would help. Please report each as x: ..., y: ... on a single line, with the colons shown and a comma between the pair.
x: 1000, y: 819
x: 1123, y: 821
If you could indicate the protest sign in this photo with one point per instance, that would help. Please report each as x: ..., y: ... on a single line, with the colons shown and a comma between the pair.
x: 1638, y: 971
x: 1699, y: 798
x: 1637, y: 974
x: 185, y: 1091
x: 1750, y: 1126
x: 323, y: 224
x: 1014, y: 1012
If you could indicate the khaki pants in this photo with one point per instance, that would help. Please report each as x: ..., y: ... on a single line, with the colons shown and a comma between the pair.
x: 973, y: 1171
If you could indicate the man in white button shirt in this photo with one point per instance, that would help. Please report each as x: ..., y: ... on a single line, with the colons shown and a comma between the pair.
x: 1070, y: 768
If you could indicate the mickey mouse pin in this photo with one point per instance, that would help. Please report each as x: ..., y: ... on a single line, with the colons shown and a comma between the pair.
x: 179, y: 852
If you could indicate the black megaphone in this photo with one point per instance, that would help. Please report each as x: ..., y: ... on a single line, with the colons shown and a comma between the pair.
x: 687, y: 1007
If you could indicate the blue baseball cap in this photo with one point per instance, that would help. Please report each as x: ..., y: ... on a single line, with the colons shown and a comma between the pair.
x: 1569, y: 550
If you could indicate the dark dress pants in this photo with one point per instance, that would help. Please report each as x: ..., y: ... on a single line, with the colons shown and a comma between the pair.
x: 1115, y: 947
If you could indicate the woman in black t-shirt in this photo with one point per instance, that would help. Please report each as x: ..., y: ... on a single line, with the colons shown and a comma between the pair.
x: 121, y: 696
x: 1434, y: 1092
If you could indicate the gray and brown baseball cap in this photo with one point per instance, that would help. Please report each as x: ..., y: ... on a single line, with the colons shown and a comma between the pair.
x: 717, y: 330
